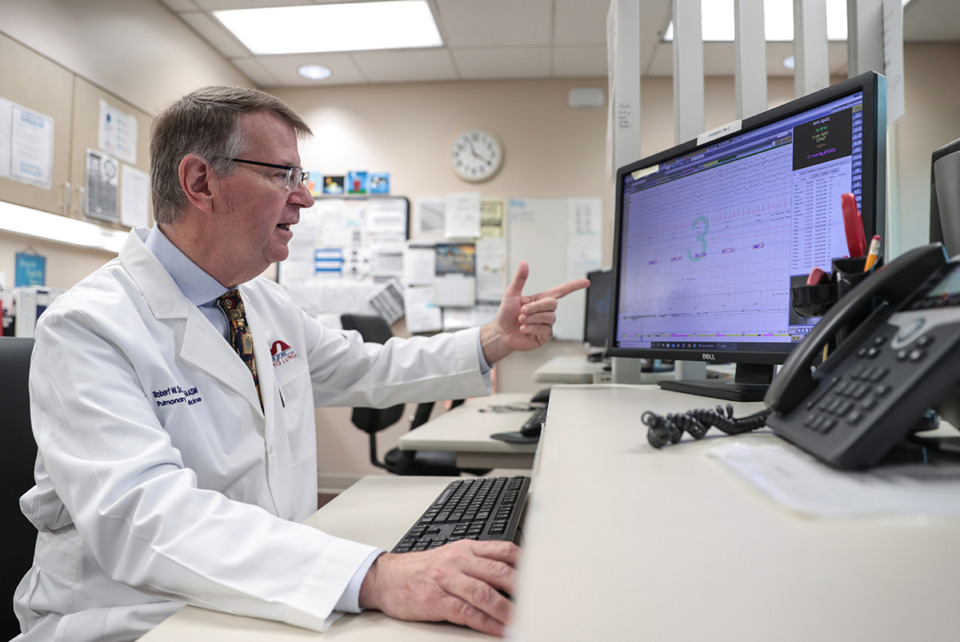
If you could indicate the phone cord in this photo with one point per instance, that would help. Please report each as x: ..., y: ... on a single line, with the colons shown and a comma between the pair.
x: 663, y: 430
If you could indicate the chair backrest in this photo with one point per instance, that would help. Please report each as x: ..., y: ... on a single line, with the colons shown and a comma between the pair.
x: 373, y: 329
x: 18, y: 453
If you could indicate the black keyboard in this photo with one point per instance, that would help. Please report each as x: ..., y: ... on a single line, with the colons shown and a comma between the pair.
x: 471, y: 508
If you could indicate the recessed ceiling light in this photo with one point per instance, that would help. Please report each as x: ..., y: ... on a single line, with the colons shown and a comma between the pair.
x: 355, y: 26
x: 314, y: 72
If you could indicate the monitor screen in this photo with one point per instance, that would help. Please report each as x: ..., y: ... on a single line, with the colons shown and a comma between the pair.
x: 945, y: 197
x: 596, y: 322
x: 711, y: 235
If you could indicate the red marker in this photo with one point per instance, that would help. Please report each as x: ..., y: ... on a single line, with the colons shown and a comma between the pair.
x: 817, y: 276
x: 853, y: 226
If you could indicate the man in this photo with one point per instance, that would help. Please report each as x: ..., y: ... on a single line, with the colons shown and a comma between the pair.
x: 173, y: 472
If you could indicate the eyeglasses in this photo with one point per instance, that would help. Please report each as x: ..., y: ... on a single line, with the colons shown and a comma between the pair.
x: 295, y: 175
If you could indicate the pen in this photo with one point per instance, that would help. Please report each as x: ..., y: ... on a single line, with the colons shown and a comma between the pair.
x: 853, y: 226
x: 873, y: 254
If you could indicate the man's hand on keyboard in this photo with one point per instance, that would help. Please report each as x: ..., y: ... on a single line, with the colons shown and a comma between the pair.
x: 459, y: 582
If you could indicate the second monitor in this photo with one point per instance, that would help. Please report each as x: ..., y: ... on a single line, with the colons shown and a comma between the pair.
x: 596, y: 322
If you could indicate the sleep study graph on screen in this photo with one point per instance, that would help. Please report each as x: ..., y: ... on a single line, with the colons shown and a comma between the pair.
x: 696, y: 275
x: 711, y: 235
x: 715, y: 238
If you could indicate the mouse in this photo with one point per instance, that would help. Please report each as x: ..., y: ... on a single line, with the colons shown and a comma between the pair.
x: 532, y: 426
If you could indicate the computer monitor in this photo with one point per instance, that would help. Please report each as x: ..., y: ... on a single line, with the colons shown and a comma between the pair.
x: 596, y: 321
x: 945, y: 197
x: 711, y: 235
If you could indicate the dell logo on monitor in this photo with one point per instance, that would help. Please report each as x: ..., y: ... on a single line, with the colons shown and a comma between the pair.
x: 708, y: 356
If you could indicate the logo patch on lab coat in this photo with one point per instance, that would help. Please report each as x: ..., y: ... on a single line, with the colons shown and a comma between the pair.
x: 281, y: 353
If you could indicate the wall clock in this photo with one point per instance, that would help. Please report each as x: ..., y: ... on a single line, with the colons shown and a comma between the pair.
x: 476, y: 156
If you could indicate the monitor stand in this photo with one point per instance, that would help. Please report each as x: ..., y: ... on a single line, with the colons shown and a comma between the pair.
x: 750, y: 383
x: 597, y: 357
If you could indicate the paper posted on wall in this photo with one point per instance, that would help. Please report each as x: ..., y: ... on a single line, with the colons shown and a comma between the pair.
x: 387, y: 300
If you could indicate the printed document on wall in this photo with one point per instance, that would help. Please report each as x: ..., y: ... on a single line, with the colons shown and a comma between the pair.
x: 584, y: 243
x: 420, y: 264
x: 31, y: 147
x: 491, y: 265
x: 118, y: 133
x: 422, y: 313
x: 102, y: 185
x: 493, y: 215
x: 429, y: 217
x: 134, y: 196
x: 462, y: 216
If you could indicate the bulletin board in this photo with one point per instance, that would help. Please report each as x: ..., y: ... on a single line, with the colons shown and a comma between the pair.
x: 352, y: 255
x: 560, y: 238
x: 343, y: 250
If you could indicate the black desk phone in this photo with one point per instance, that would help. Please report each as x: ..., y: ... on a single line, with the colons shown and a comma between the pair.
x: 874, y: 388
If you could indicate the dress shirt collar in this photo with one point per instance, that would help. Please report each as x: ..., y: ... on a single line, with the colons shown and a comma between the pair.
x: 198, y: 286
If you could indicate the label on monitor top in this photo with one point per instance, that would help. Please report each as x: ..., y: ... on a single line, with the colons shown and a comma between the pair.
x: 646, y: 171
x: 719, y: 132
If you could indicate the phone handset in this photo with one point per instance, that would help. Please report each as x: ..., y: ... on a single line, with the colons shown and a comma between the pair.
x: 889, y: 287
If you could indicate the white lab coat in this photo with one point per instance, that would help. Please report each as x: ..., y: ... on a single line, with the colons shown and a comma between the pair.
x: 161, y: 482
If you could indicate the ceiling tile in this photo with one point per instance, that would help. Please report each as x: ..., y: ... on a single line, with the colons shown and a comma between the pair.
x: 501, y: 22
x: 503, y: 62
x: 488, y: 39
x: 580, y: 23
x: 406, y: 66
x: 253, y: 69
x: 214, y: 33
x: 180, y: 5
x: 571, y: 62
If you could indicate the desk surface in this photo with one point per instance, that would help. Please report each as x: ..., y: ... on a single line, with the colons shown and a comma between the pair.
x: 568, y: 370
x: 377, y: 510
x: 466, y: 430
x: 687, y: 552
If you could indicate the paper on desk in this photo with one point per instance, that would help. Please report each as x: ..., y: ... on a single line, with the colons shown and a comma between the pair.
x: 800, y: 482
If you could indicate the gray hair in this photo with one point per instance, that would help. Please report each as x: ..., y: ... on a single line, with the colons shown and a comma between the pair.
x: 204, y: 123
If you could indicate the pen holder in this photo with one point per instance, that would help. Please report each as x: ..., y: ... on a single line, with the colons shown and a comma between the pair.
x: 848, y: 273
x: 815, y: 300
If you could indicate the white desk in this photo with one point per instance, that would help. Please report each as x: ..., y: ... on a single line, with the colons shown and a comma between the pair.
x: 569, y: 370
x: 573, y: 370
x: 466, y: 430
x: 687, y: 551
x: 377, y: 510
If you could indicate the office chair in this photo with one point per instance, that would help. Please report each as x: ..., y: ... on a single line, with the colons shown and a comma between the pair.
x: 375, y: 329
x: 17, y: 456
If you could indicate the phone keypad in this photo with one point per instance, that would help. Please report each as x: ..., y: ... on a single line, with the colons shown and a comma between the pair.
x: 850, y: 399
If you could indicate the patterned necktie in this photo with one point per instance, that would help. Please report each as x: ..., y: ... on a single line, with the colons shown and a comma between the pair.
x: 240, y: 337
